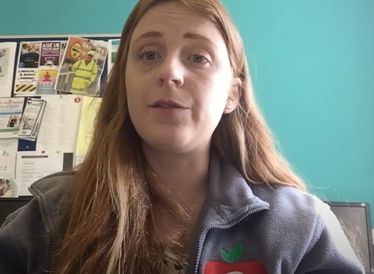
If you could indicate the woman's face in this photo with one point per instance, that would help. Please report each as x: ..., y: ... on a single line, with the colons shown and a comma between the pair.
x: 178, y: 79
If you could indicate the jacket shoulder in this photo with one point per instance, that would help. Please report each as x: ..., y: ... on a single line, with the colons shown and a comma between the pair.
x: 56, y: 182
x: 53, y: 194
x: 306, y: 221
x: 25, y: 234
x: 50, y: 197
x: 286, y: 200
x: 294, y: 214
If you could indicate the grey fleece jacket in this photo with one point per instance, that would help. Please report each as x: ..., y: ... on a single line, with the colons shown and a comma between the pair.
x: 242, y: 229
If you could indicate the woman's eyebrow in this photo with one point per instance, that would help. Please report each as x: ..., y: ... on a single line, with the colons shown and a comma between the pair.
x: 149, y: 34
x: 187, y: 35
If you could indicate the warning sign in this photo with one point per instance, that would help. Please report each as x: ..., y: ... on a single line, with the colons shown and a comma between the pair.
x: 25, y: 82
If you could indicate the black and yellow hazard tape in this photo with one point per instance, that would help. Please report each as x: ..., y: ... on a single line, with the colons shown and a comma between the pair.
x: 25, y: 88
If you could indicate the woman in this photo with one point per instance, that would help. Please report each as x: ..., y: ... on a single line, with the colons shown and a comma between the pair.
x: 182, y: 175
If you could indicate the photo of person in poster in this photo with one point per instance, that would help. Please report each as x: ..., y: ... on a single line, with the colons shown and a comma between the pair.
x: 85, y: 73
x: 13, y: 121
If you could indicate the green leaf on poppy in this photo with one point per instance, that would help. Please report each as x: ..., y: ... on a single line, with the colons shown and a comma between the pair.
x: 236, y: 252
x: 226, y: 255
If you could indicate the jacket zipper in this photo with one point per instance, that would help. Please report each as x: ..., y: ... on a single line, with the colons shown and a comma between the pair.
x: 234, y: 223
x: 42, y: 214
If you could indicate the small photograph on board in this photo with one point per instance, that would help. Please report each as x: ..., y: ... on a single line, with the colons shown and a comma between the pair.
x: 82, y: 66
x: 30, y: 54
x: 8, y: 188
x: 14, y: 121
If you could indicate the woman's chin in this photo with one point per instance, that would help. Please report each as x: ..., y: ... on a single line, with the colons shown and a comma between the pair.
x: 168, y: 144
x: 168, y: 138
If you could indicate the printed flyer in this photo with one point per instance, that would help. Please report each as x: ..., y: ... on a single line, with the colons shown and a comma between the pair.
x: 37, y: 67
x: 10, y: 116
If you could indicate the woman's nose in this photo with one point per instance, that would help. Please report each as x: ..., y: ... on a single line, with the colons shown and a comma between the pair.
x: 171, y: 73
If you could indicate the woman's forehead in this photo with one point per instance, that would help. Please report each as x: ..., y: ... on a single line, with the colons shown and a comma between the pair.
x: 175, y: 18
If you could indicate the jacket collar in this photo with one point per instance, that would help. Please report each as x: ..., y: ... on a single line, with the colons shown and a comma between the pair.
x: 229, y: 196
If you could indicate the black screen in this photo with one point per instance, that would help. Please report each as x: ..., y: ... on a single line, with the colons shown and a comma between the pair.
x: 9, y: 205
x: 354, y: 220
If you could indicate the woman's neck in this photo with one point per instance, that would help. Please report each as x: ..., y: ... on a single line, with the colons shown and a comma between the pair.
x: 180, y: 177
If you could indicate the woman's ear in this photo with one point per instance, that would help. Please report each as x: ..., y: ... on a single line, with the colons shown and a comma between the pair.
x: 233, y: 97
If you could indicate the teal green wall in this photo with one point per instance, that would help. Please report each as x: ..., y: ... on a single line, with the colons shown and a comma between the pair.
x: 312, y: 63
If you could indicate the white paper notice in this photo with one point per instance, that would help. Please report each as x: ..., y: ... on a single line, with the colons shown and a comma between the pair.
x: 7, y: 61
x: 59, y: 128
x: 32, y: 166
x: 8, y: 153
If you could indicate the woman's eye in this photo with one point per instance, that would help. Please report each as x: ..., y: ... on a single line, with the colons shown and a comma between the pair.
x: 197, y: 58
x: 148, y: 55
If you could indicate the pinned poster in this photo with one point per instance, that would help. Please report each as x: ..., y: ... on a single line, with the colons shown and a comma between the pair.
x: 50, y: 54
x: 7, y: 60
x: 45, y: 81
x: 28, y: 63
x: 50, y: 58
x: 82, y: 66
x: 37, y: 67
